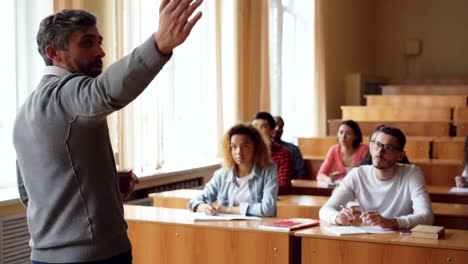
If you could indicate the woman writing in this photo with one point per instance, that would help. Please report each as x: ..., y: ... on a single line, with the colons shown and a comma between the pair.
x: 247, y: 183
x: 345, y: 155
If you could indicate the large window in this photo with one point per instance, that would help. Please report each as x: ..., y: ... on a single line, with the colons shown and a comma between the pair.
x: 176, y: 121
x: 292, y: 64
x: 20, y: 71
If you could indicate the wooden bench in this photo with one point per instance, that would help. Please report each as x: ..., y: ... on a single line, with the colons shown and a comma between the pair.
x: 461, y: 129
x: 409, y: 128
x: 416, y: 147
x: 460, y: 114
x: 448, y: 148
x: 417, y: 100
x: 436, y: 172
x: 440, y: 89
x: 394, y: 113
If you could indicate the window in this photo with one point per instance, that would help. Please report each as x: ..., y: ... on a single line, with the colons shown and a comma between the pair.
x: 292, y: 60
x: 176, y: 120
x: 20, y: 72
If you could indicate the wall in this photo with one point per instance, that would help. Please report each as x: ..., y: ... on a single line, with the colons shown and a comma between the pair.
x: 442, y: 27
x: 349, y: 32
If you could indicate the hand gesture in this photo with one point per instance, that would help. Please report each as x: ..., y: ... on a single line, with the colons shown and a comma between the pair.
x: 174, y: 26
x: 345, y: 216
x: 375, y: 219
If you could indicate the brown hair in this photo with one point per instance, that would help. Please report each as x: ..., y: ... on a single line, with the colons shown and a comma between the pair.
x: 262, y: 150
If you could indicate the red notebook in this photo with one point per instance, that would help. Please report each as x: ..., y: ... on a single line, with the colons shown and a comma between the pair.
x: 290, y: 224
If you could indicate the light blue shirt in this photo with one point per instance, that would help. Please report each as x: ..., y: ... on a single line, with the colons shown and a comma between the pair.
x: 222, y: 187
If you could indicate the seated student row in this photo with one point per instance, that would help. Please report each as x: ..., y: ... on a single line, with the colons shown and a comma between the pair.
x: 385, y: 178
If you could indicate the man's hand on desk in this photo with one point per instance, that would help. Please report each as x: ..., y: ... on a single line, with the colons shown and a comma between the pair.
x: 373, y: 218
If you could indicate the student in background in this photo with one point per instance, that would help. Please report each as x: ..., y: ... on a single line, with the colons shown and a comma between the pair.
x: 280, y: 155
x: 367, y: 160
x: 299, y: 170
x: 462, y: 181
x: 247, y: 183
x: 344, y: 155
x: 390, y: 194
x: 66, y: 170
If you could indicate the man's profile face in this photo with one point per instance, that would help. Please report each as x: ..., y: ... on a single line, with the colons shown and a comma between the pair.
x: 382, y: 159
x: 84, y: 54
x: 278, y: 131
x: 263, y: 126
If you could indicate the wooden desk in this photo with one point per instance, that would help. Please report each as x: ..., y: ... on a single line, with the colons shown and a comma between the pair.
x: 450, y: 215
x: 406, y: 100
x: 436, y: 172
x: 303, y: 206
x: 443, y: 89
x: 310, y: 187
x: 436, y: 193
x: 165, y: 235
x: 320, y: 246
x: 393, y: 113
x: 409, y: 128
x: 441, y: 194
x: 174, y: 199
x: 448, y: 148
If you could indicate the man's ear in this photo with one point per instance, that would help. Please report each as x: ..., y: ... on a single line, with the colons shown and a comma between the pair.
x: 402, y: 155
x: 53, y: 53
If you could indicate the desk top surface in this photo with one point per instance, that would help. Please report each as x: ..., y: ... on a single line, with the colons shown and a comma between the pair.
x: 453, y: 239
x: 161, y: 215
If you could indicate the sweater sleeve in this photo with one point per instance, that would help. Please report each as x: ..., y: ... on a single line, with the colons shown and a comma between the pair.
x: 327, y: 165
x: 341, y: 196
x: 422, y: 210
x: 117, y: 86
x: 21, y: 189
x: 209, y: 193
x: 267, y: 206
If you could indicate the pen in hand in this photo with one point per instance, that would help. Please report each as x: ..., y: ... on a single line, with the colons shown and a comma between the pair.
x: 209, y: 209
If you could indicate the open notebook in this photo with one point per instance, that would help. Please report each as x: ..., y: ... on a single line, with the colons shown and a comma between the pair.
x: 458, y: 190
x: 204, y: 217
x: 352, y: 230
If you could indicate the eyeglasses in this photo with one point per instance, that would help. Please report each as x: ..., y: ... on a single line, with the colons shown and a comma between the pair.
x: 377, y: 146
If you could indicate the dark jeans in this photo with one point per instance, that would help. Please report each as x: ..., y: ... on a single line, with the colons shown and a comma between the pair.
x: 125, y: 258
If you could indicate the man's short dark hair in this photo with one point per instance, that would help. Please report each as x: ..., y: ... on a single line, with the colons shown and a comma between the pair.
x: 56, y: 29
x: 395, y: 132
x: 267, y: 116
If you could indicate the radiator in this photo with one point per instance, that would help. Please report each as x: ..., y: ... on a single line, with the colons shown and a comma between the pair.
x: 14, y: 240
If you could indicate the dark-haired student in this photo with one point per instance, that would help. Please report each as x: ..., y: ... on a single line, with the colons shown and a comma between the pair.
x: 280, y: 155
x: 344, y: 155
x: 247, y: 183
x: 390, y: 194
x: 367, y: 160
x: 299, y: 170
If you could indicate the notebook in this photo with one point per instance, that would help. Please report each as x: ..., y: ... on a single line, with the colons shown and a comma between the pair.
x: 458, y: 190
x: 197, y: 216
x: 353, y: 230
x: 290, y: 224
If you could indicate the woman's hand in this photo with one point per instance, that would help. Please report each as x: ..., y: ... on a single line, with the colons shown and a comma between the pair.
x: 207, y: 208
x: 335, y: 175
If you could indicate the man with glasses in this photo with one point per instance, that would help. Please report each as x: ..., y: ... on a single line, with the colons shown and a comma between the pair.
x: 390, y: 194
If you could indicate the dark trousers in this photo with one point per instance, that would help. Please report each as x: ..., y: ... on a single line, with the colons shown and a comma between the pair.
x: 125, y: 258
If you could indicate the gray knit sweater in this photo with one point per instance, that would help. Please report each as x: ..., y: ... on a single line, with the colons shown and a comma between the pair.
x: 66, y: 170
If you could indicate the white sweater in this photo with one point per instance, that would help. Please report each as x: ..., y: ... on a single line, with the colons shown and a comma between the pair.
x: 403, y: 197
